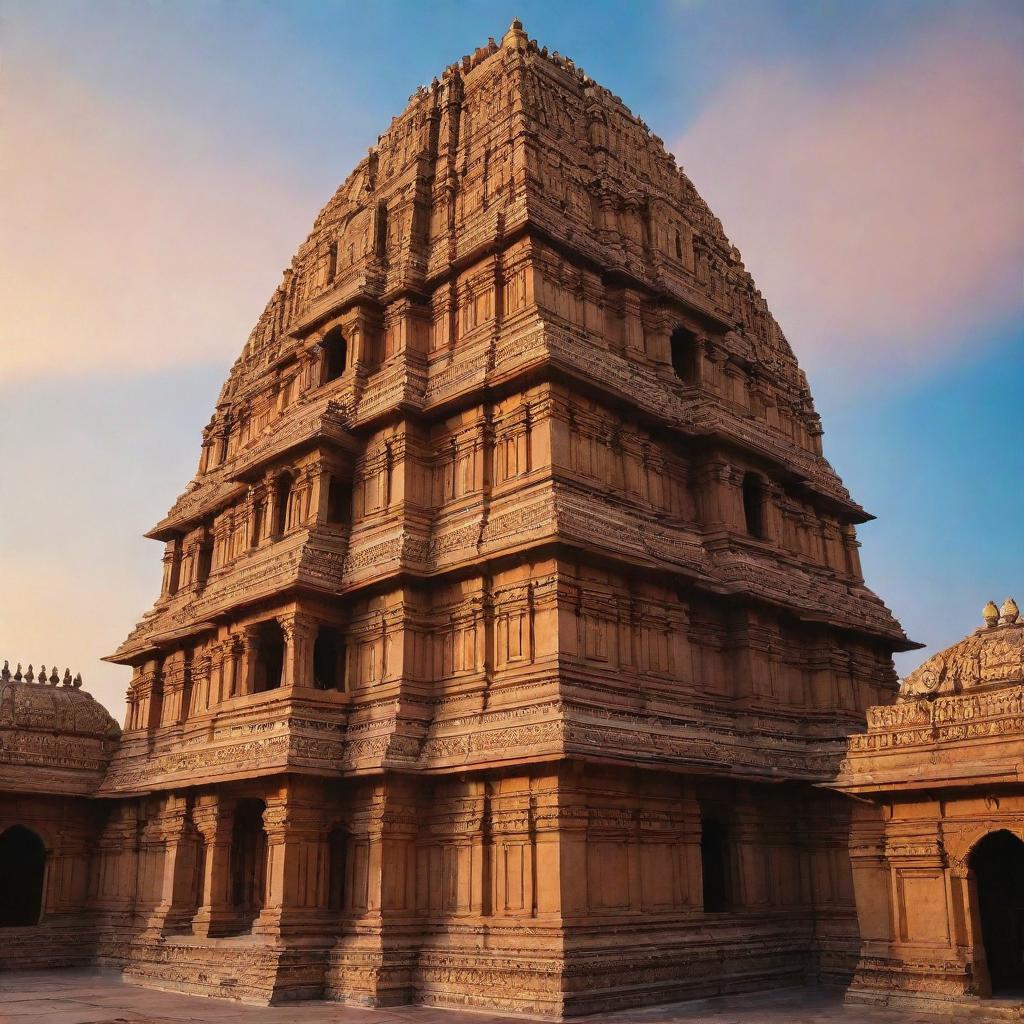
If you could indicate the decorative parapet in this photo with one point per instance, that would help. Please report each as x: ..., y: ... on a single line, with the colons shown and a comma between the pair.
x: 959, y: 717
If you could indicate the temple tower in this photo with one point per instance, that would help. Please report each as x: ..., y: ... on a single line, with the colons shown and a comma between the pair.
x: 513, y: 614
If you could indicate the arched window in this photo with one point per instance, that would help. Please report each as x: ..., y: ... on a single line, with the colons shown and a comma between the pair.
x: 329, y: 659
x: 753, y: 504
x: 685, y: 359
x: 335, y: 354
x: 282, y: 502
x: 269, y: 657
x: 337, y: 864
x: 22, y: 869
x: 248, y: 863
x: 714, y: 862
x: 998, y: 866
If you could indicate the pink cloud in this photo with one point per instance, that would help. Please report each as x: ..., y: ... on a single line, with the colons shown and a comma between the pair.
x: 882, y: 215
x: 128, y: 241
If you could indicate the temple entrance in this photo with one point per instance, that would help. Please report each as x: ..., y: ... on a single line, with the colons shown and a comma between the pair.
x: 248, y: 863
x: 22, y: 868
x: 998, y: 866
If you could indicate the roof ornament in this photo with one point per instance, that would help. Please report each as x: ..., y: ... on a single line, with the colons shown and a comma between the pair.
x: 990, y: 613
x: 1009, y: 613
x: 6, y: 673
x: 515, y: 37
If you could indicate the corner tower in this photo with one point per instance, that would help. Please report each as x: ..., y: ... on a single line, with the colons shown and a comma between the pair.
x: 513, y: 609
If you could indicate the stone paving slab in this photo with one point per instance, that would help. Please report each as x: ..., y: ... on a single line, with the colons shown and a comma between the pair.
x: 78, y: 997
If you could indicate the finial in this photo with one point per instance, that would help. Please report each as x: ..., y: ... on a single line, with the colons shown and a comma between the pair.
x: 66, y: 681
x: 17, y: 673
x: 54, y: 678
x: 77, y: 681
x: 990, y: 613
x: 28, y: 675
x: 1009, y: 613
x: 515, y: 37
x: 6, y: 673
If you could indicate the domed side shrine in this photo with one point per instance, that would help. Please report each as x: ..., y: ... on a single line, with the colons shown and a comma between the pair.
x: 513, y: 620
x: 939, y: 876
x: 55, y: 744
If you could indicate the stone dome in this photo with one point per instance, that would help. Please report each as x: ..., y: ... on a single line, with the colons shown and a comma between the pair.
x: 990, y: 658
x: 38, y: 703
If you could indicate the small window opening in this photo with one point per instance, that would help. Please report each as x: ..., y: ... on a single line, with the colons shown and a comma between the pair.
x: 257, y: 523
x: 679, y: 247
x: 684, y: 355
x: 337, y: 846
x: 329, y: 659
x: 753, y: 504
x: 335, y: 354
x: 339, y: 502
x: 282, y: 501
x: 714, y: 862
x: 204, y: 562
x: 269, y: 657
x: 332, y: 262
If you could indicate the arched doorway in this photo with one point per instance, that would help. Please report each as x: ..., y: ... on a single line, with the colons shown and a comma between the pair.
x: 998, y: 865
x: 22, y: 868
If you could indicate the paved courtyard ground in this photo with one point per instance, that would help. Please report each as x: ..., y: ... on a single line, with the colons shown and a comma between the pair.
x: 76, y: 997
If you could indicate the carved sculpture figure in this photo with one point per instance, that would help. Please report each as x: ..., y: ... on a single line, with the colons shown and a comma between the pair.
x: 513, y: 617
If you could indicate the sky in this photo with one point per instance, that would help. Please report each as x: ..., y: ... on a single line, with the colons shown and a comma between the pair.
x: 161, y: 162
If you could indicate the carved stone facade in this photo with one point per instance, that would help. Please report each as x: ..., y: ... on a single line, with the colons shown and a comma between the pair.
x: 938, y: 859
x: 513, y: 617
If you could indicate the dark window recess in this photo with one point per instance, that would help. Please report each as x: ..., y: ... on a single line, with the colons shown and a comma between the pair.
x: 714, y: 862
x: 684, y: 355
x: 329, y: 659
x: 205, y: 562
x: 282, y: 499
x: 257, y: 523
x: 679, y: 247
x: 335, y: 354
x: 339, y: 502
x: 269, y: 657
x: 753, y: 504
x: 22, y: 867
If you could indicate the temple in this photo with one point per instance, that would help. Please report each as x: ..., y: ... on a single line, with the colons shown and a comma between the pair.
x: 513, y: 625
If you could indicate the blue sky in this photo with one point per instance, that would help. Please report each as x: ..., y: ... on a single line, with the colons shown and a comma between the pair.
x: 159, y: 164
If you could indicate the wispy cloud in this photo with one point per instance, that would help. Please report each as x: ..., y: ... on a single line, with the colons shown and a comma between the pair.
x: 127, y: 241
x: 882, y: 213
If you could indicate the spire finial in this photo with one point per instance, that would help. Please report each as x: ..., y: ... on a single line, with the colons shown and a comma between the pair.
x: 515, y: 37
x: 1009, y: 613
x: 990, y: 613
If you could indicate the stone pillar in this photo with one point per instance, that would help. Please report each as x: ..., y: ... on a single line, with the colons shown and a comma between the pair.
x: 248, y: 647
x: 176, y: 904
x: 213, y: 817
x: 115, y: 864
x: 296, y: 864
x: 299, y: 636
